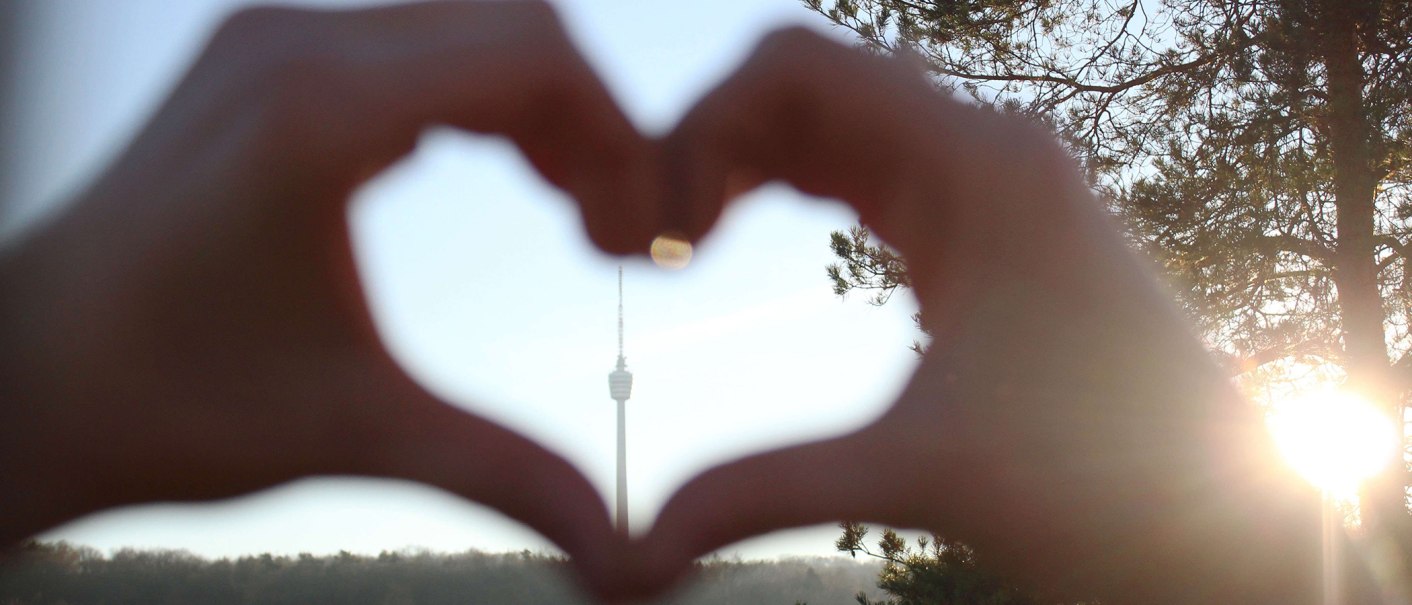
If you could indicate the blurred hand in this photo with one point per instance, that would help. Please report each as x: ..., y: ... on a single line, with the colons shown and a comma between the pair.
x: 1064, y: 422
x: 193, y: 326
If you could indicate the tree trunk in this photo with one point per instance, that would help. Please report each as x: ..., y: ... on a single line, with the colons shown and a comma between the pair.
x: 1355, y: 270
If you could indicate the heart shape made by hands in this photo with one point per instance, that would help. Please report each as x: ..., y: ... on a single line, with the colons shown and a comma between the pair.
x: 1064, y: 423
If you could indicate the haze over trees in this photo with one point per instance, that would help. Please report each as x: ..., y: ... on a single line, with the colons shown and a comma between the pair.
x: 53, y: 573
x: 1259, y: 150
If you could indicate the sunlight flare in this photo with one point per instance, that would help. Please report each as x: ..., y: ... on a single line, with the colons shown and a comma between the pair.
x: 671, y: 251
x: 1334, y: 438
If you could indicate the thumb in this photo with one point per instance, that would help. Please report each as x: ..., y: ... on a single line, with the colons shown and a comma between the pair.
x: 434, y: 443
x: 831, y: 480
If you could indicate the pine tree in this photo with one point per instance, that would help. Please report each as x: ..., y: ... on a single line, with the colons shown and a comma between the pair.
x: 1259, y: 150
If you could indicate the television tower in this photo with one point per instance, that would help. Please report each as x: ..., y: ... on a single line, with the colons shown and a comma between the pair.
x: 620, y: 387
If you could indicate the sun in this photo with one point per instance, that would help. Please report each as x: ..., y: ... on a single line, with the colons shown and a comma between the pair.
x: 1334, y: 438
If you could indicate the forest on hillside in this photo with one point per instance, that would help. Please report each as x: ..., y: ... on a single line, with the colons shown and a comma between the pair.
x: 61, y: 573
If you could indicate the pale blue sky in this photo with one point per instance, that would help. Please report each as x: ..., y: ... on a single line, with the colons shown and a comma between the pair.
x: 486, y: 291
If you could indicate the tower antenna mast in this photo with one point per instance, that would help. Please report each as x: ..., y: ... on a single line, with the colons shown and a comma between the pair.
x: 620, y: 314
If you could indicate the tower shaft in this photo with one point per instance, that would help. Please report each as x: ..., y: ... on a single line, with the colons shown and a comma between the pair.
x: 622, y: 496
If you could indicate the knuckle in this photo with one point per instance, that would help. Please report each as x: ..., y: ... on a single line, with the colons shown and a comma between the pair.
x: 271, y: 50
x: 799, y: 46
x: 255, y: 25
x: 792, y: 39
x: 794, y: 58
x: 519, y: 12
x: 284, y: 68
x: 538, y: 10
x: 536, y: 20
x: 546, y: 33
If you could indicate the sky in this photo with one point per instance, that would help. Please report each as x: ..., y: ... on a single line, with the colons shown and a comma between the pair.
x: 745, y: 349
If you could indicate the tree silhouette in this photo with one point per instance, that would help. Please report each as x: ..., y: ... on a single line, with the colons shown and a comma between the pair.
x: 1259, y: 150
x: 935, y: 571
x: 54, y: 573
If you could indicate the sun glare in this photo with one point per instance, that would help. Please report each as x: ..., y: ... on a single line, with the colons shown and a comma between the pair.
x: 671, y: 251
x: 1334, y: 438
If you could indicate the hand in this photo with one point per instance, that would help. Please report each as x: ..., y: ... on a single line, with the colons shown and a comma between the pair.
x: 1064, y: 422
x: 193, y: 326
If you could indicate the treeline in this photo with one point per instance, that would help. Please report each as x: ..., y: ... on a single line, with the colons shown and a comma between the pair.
x: 60, y: 573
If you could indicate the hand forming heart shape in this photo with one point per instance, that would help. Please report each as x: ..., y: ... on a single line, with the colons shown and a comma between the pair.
x: 1064, y: 423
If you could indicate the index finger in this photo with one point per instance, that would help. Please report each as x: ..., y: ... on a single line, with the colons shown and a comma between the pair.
x: 346, y: 93
x: 828, y: 119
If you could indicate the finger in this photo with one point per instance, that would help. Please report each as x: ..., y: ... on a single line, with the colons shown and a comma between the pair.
x: 900, y: 471
x: 830, y: 120
x: 365, y: 83
x: 509, y: 68
x: 409, y: 434
x: 825, y: 481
